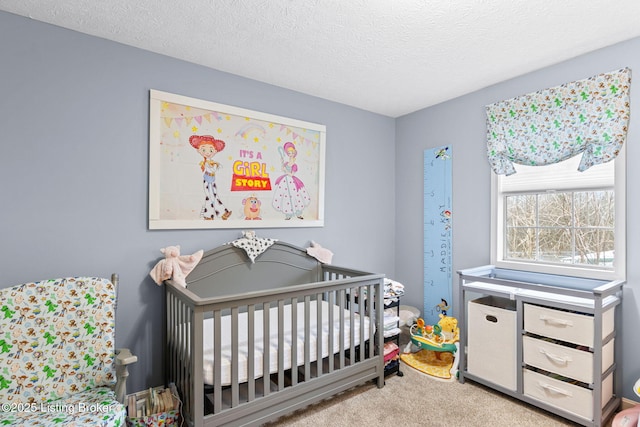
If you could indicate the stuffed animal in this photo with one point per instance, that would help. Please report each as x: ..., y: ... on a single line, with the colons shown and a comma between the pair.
x: 449, y: 327
x: 627, y: 418
x: 175, y: 266
x: 252, y: 244
x: 323, y: 255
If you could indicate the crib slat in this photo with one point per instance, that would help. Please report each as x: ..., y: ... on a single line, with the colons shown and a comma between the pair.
x: 319, y: 340
x: 370, y: 313
x: 332, y: 301
x: 280, y: 344
x: 266, y: 353
x: 365, y: 292
x: 294, y: 341
x: 379, y: 316
x: 307, y: 346
x: 342, y: 332
x: 251, y: 353
x: 362, y: 300
x: 217, y: 366
x: 352, y: 327
x: 234, y: 356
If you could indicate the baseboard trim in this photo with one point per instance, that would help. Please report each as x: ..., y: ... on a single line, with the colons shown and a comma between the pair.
x: 628, y: 403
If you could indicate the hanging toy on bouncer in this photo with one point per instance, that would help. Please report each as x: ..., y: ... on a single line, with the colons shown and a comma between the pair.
x: 439, y: 337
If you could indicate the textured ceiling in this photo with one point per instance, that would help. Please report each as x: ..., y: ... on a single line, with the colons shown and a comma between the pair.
x: 391, y: 57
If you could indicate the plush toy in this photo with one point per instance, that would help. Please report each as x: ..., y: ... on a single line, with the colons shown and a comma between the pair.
x: 323, y: 255
x: 175, y: 266
x: 252, y: 244
x: 449, y: 327
x: 627, y: 418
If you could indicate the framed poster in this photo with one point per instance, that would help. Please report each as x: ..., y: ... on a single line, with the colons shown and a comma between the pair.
x: 217, y: 166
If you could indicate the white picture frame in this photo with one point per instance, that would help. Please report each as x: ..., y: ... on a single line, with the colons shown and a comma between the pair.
x: 217, y: 166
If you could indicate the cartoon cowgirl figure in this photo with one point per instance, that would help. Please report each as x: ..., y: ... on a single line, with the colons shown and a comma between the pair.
x: 290, y: 195
x: 208, y: 146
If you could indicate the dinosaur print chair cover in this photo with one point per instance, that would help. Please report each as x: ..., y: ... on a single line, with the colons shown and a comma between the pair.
x: 57, y: 355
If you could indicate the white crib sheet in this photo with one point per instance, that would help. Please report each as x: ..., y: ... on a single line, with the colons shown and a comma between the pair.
x: 208, y: 352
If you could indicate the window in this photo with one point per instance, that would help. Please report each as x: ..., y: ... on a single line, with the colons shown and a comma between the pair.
x: 555, y: 219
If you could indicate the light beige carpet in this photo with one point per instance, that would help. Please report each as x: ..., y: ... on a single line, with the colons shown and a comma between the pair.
x: 418, y: 400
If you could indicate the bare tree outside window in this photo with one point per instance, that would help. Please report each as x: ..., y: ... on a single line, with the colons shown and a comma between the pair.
x: 572, y: 227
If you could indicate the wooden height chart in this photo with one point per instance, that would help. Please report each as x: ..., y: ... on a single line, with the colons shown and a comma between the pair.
x: 438, y: 292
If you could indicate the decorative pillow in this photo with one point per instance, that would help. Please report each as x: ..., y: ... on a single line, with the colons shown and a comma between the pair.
x: 56, y: 338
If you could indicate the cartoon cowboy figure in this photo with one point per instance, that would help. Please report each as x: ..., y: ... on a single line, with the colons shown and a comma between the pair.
x: 208, y: 146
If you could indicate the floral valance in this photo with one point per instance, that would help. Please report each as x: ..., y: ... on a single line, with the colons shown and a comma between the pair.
x: 589, y: 116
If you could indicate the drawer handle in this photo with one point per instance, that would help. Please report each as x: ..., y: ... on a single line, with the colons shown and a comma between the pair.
x: 559, y: 360
x: 554, y: 321
x: 491, y: 318
x: 553, y: 389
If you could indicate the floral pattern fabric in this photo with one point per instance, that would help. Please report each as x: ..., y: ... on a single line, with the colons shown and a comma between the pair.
x: 56, y: 342
x: 588, y: 116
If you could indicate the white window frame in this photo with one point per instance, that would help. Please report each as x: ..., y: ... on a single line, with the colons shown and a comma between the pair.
x: 619, y: 270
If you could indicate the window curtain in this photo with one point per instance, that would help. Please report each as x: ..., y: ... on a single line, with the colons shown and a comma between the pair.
x: 588, y: 116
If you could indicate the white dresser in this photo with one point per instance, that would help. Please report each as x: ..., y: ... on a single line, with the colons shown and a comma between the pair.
x: 554, y: 337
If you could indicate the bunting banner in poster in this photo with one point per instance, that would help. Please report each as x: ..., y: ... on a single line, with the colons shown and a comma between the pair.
x: 438, y: 277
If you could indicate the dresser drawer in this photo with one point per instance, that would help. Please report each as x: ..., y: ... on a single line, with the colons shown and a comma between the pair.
x: 566, y: 361
x: 565, y: 326
x: 572, y: 398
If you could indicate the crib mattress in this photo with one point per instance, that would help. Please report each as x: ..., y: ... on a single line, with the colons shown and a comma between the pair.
x: 242, y: 362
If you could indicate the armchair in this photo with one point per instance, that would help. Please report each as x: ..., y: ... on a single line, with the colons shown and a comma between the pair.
x: 58, y: 363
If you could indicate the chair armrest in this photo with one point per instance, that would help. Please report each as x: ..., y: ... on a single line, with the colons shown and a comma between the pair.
x: 124, y: 358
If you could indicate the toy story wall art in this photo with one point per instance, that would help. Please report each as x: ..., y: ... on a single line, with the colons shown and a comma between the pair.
x: 217, y: 166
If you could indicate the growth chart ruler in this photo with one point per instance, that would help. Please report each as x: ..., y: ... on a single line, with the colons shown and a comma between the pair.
x: 438, y: 292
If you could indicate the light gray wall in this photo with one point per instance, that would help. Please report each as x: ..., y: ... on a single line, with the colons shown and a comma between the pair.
x: 74, y: 115
x: 74, y: 166
x: 461, y: 123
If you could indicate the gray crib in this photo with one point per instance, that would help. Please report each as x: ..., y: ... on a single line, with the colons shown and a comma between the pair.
x: 250, y: 342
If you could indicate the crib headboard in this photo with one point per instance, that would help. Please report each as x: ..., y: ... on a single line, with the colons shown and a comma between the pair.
x: 228, y: 270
